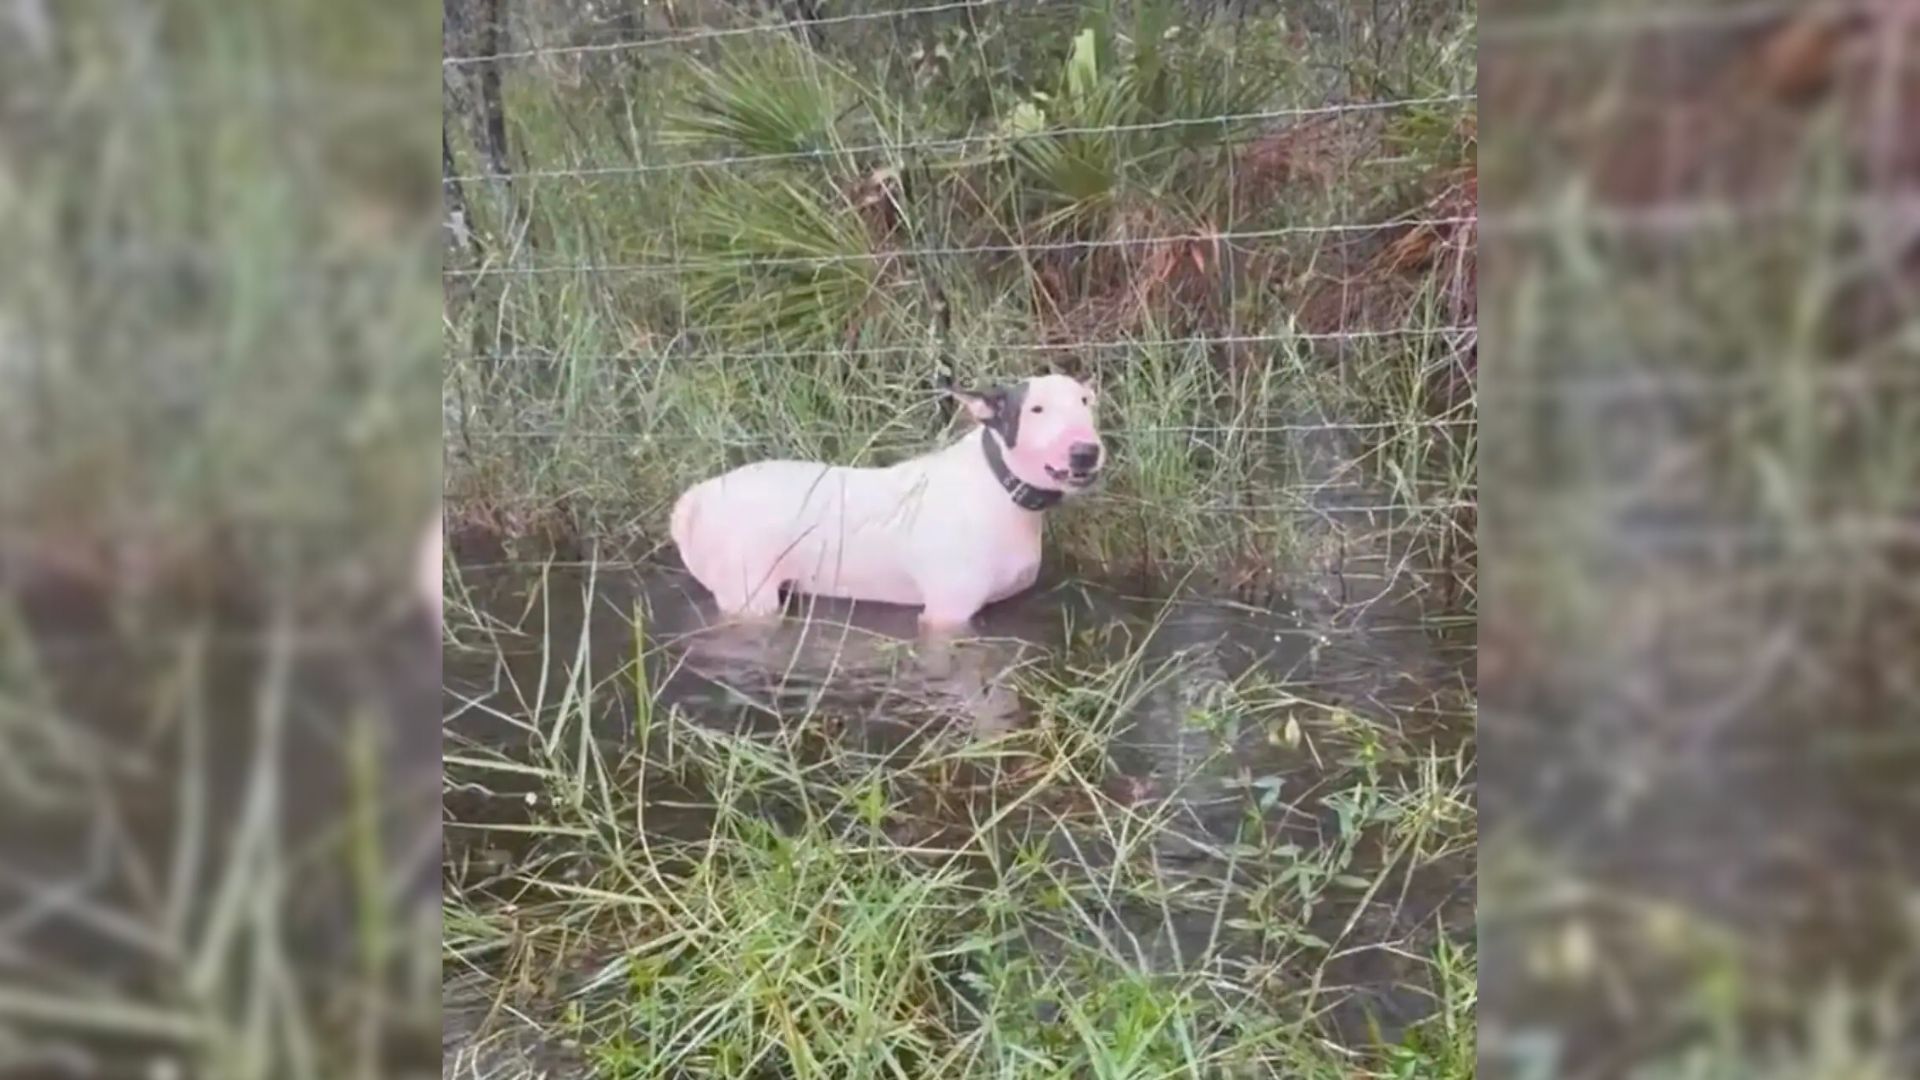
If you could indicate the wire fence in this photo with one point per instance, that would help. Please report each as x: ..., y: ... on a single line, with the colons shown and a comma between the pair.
x: 1224, y: 430
x: 1450, y: 343
x: 519, y: 415
x: 696, y: 37
x: 1600, y: 387
x: 1577, y: 26
x: 1671, y: 220
x: 857, y: 351
x: 1038, y: 247
x: 1569, y: 27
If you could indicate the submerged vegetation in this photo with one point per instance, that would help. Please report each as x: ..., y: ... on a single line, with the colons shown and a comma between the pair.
x: 217, y: 369
x: 648, y: 882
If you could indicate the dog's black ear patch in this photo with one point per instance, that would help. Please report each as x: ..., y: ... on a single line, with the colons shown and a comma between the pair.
x: 1003, y: 407
x: 1009, y: 402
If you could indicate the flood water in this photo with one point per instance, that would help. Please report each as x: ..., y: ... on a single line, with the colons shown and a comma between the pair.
x: 857, y: 673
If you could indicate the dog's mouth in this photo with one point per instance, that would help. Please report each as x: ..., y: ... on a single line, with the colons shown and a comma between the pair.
x: 1073, y: 478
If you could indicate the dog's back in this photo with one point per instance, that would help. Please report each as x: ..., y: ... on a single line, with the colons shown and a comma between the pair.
x: 830, y: 530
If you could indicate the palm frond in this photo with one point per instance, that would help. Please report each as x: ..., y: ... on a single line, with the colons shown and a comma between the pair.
x: 772, y: 100
x: 779, y: 259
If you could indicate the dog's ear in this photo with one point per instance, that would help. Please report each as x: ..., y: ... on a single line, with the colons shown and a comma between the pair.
x: 986, y: 406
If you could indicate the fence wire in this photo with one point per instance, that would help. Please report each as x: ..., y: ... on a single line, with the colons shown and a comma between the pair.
x: 819, y: 261
x: 961, y: 142
x: 855, y: 351
x: 1576, y: 26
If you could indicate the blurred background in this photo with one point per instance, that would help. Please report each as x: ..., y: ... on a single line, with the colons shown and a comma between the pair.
x: 218, y: 316
x: 1700, y: 726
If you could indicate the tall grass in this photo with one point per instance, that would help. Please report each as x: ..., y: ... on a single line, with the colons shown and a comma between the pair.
x: 1703, y: 617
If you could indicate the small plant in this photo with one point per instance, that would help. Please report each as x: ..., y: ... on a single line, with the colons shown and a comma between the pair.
x: 1135, y: 112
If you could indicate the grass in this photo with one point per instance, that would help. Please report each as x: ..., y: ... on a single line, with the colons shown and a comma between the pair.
x: 1704, y: 623
x: 660, y: 890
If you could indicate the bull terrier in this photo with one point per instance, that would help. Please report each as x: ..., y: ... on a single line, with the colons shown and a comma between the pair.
x: 951, y: 531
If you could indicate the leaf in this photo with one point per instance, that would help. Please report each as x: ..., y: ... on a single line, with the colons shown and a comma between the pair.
x: 1310, y: 939
x: 769, y: 101
x: 1083, y: 67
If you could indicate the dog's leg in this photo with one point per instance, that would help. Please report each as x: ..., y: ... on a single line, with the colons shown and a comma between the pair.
x: 764, y: 603
x: 748, y: 594
x: 949, y: 612
x: 944, y: 626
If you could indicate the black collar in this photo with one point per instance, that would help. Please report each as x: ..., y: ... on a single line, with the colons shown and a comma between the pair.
x: 1025, y: 495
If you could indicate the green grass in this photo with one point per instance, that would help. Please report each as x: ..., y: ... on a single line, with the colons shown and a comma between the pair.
x: 1704, y: 619
x: 681, y: 895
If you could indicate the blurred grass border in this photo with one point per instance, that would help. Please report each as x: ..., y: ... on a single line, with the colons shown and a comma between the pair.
x: 219, y: 319
x: 221, y: 304
x: 1699, y: 632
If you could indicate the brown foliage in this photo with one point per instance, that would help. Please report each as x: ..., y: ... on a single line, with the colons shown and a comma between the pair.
x: 877, y: 198
x: 1131, y: 280
x: 1313, y: 152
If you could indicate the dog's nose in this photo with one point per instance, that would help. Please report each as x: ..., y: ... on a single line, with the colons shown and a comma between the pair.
x: 1084, y: 456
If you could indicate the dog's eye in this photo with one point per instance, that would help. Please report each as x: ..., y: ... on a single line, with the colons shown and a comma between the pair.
x: 1036, y: 409
x: 1086, y: 401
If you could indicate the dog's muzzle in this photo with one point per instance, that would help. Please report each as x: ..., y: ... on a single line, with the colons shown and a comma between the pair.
x: 1083, y: 465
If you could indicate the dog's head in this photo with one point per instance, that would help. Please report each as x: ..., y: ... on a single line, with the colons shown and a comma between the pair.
x: 1046, y: 430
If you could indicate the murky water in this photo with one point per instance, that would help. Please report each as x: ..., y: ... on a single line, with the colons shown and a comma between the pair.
x: 859, y: 672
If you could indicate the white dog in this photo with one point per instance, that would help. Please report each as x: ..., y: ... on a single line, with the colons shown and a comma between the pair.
x: 951, y: 531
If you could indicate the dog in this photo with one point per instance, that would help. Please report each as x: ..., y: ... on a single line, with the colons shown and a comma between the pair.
x: 951, y: 531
